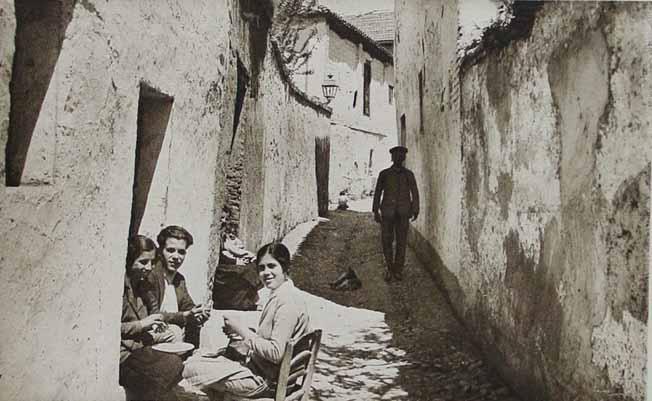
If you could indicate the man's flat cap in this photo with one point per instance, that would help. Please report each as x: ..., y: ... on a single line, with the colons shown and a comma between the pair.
x: 401, y: 149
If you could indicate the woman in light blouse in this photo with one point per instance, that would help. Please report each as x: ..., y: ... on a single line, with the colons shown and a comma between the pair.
x: 284, y: 318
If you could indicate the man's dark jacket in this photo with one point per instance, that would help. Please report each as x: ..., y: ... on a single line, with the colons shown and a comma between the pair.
x: 400, y: 196
x: 156, y: 292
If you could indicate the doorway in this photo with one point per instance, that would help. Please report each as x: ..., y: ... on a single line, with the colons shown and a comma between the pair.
x: 154, y: 110
x: 322, y: 159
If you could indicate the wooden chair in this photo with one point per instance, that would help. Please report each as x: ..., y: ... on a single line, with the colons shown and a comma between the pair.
x: 297, y: 367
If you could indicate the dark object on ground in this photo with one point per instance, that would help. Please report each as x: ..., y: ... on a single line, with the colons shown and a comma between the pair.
x: 388, y: 276
x: 342, y: 207
x: 347, y: 281
x: 236, y: 287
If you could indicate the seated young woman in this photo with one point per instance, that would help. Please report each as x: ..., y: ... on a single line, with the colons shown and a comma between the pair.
x: 146, y: 373
x: 284, y: 318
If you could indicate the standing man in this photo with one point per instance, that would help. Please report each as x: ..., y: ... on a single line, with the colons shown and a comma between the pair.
x: 400, y: 202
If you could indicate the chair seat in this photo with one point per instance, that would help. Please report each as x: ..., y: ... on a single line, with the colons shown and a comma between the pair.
x: 256, y: 399
x: 297, y: 366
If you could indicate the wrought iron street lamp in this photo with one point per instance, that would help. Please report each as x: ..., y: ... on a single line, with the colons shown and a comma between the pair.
x: 329, y: 88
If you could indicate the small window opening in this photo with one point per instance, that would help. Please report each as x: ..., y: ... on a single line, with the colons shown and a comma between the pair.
x: 391, y: 95
x: 154, y: 110
x: 367, y: 85
x: 403, y: 130
x: 355, y: 98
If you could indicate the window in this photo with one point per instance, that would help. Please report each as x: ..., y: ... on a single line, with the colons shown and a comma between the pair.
x: 355, y: 98
x: 154, y: 110
x: 421, y: 102
x: 403, y: 129
x: 391, y: 95
x: 367, y: 84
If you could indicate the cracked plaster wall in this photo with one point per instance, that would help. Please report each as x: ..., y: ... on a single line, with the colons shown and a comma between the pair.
x: 426, y: 33
x: 554, y: 209
x: 65, y: 242
x: 280, y: 185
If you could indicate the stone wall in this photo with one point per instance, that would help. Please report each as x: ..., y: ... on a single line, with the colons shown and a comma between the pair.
x: 274, y: 147
x: 290, y: 128
x: 546, y: 256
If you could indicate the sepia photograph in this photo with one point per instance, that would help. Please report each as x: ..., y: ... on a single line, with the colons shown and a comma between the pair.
x: 325, y: 200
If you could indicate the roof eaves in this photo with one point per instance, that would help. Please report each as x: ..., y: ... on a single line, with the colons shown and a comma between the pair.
x: 347, y: 30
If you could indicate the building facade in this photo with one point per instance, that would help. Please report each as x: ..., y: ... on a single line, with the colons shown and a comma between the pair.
x: 362, y: 124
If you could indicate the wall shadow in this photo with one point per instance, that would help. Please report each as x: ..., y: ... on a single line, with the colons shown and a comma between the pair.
x: 40, y: 31
x: 154, y: 110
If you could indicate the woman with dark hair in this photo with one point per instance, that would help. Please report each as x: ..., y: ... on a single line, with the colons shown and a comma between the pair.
x: 146, y: 373
x: 284, y: 318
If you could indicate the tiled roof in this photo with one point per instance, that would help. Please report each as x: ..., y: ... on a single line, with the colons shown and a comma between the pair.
x: 378, y: 24
x: 344, y: 28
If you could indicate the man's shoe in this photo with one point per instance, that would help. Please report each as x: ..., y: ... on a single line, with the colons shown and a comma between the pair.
x: 398, y: 275
x: 388, y: 276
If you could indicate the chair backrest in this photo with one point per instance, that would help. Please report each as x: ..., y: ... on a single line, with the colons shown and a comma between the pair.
x: 297, y: 368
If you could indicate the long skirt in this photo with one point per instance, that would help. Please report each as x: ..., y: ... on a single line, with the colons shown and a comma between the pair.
x: 217, y: 376
x: 150, y: 373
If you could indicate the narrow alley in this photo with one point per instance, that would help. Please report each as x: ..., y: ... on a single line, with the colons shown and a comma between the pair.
x: 403, y: 343
x: 179, y: 175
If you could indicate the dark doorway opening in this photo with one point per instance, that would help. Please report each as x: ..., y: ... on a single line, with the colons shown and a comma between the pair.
x: 241, y: 91
x: 40, y: 30
x: 154, y: 110
x: 322, y: 163
x: 367, y: 89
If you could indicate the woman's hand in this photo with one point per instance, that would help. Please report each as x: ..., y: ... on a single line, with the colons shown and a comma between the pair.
x: 166, y: 336
x: 200, y: 314
x: 233, y: 325
x: 152, y: 320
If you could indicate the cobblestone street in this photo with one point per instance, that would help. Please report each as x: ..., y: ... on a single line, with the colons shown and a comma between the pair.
x: 397, y: 341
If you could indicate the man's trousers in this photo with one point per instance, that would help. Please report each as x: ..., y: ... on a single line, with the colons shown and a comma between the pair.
x: 394, y: 228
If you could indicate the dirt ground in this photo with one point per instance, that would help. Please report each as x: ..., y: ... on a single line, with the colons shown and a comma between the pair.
x: 396, y: 341
x: 432, y: 358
